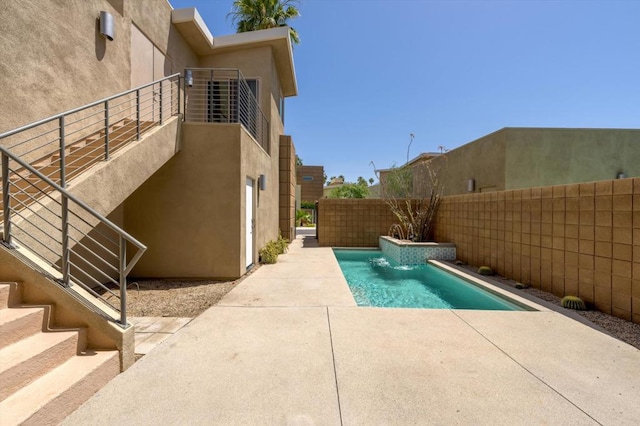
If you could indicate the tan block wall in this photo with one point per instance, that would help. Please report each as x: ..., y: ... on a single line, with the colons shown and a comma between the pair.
x: 311, y: 189
x: 579, y: 239
x: 352, y: 222
x: 287, y: 188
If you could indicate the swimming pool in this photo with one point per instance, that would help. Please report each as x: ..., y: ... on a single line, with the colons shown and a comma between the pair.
x: 377, y: 281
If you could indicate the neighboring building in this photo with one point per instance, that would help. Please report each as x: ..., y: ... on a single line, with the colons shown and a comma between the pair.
x: 516, y: 158
x: 334, y: 183
x: 311, y: 181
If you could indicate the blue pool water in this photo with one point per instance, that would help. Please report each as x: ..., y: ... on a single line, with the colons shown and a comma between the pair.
x: 377, y: 281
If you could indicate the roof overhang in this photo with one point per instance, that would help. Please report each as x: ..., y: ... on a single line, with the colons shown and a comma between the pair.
x: 192, y: 27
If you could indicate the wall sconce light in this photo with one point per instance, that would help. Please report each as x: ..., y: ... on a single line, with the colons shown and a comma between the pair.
x: 106, y: 25
x: 471, y: 185
x: 188, y: 77
x: 262, y: 180
x: 621, y: 175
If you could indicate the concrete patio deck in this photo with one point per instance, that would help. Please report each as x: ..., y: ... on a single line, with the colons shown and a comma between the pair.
x: 289, y: 346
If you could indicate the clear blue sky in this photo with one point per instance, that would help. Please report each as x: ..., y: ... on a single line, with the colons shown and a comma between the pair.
x: 370, y: 72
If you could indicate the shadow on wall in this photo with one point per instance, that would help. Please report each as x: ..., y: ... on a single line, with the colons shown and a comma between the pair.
x: 118, y: 5
x: 100, y: 42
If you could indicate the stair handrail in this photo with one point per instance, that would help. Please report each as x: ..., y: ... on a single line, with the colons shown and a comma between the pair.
x: 124, y: 237
x: 124, y: 267
x: 78, y: 109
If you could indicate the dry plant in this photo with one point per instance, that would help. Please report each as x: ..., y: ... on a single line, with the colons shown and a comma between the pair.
x: 413, y: 194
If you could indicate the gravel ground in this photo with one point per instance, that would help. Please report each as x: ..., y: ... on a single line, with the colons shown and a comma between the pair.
x: 617, y: 327
x: 171, y: 298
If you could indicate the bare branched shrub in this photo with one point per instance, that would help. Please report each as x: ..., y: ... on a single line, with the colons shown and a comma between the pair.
x: 413, y: 193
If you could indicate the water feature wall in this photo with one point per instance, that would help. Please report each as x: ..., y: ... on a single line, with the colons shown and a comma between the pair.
x: 409, y: 253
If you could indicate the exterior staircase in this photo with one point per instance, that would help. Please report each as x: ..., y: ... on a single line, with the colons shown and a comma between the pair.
x: 63, y: 265
x: 80, y: 155
x: 45, y: 373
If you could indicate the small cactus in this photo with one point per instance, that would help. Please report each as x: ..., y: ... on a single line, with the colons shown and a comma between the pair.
x: 485, y: 270
x: 573, y: 302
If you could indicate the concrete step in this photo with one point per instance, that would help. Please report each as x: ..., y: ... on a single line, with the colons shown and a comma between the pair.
x: 26, y: 360
x: 5, y: 295
x: 55, y: 395
x: 21, y: 322
x: 10, y: 295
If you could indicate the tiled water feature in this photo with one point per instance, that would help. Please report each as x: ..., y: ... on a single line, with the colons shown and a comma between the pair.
x: 409, y: 253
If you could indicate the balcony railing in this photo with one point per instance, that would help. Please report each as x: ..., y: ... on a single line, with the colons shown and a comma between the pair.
x: 220, y: 95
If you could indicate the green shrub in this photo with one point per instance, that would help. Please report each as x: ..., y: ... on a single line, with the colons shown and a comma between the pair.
x: 270, y: 252
x: 308, y: 205
x: 485, y: 270
x: 283, y: 244
x: 302, y: 218
x: 573, y: 302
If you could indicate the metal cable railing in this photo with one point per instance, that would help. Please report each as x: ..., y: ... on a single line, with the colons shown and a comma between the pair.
x: 38, y: 214
x: 221, y: 95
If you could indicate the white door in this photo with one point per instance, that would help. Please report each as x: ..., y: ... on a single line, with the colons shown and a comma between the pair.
x: 249, y: 222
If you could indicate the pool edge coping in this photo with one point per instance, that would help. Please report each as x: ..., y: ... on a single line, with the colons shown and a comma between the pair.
x: 516, y: 299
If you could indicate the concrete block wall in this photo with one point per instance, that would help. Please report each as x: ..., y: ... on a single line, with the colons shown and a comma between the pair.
x: 311, y: 189
x: 580, y: 239
x: 287, y: 187
x: 352, y: 222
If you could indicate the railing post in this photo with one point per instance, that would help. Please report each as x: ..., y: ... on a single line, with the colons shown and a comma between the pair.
x: 237, y: 95
x: 138, y: 114
x: 5, y: 200
x: 123, y: 282
x: 160, y: 91
x: 65, y: 239
x: 178, y: 99
x: 63, y: 177
x: 106, y: 130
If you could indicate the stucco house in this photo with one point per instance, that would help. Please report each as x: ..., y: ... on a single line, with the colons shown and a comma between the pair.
x: 518, y: 158
x: 133, y: 142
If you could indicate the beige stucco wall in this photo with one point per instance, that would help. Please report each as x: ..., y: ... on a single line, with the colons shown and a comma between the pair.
x: 482, y: 160
x: 66, y: 63
x: 258, y: 62
x: 517, y: 158
x: 540, y: 157
x: 188, y: 213
x: 191, y: 213
x: 254, y: 162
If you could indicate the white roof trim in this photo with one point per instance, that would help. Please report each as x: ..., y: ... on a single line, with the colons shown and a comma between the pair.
x: 251, y: 37
x: 190, y: 14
